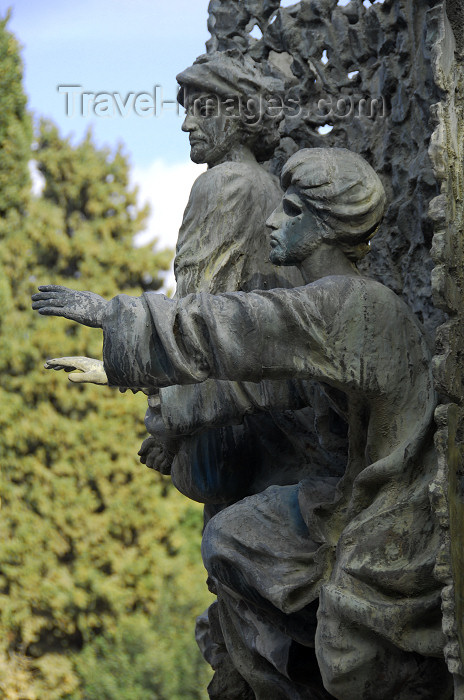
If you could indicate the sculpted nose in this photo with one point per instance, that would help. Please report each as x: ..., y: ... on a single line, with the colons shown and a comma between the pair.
x: 275, y: 219
x: 189, y: 123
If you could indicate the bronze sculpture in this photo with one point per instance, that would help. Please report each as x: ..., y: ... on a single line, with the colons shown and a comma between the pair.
x: 366, y: 544
x: 406, y: 57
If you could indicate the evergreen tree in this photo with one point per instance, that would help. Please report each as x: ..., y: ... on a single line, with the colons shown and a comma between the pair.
x: 97, y: 553
x: 15, y: 128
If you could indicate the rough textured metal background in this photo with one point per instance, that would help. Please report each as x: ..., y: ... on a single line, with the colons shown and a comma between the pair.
x: 342, y: 55
x: 409, y: 56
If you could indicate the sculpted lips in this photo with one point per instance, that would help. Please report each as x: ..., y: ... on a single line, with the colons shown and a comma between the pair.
x: 274, y: 242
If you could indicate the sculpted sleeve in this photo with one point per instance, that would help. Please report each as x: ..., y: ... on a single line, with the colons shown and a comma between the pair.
x: 278, y: 334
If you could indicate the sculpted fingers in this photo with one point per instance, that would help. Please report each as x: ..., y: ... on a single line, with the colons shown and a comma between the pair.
x: 83, y: 307
x: 150, y: 453
x: 147, y: 444
x: 61, y: 363
x: 51, y: 292
x: 45, y: 296
x: 69, y: 363
x: 54, y: 364
x: 49, y: 307
x: 163, y: 464
x: 50, y: 302
x: 153, y: 455
x: 53, y: 288
x: 153, y: 458
x: 93, y: 377
x: 89, y: 370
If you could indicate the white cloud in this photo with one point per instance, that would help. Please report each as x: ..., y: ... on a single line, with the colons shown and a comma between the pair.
x: 166, y: 188
x: 37, y: 179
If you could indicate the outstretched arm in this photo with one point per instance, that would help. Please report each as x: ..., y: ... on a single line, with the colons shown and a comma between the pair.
x: 153, y: 341
x: 280, y: 334
x: 86, y: 308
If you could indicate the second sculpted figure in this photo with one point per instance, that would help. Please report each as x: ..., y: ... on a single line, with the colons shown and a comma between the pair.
x: 223, y: 440
x: 360, y: 549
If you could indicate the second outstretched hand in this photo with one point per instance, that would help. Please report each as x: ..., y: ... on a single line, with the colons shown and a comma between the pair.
x: 89, y: 371
x: 86, y: 308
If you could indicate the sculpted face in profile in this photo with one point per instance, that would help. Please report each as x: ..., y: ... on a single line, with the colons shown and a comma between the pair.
x: 230, y: 113
x: 330, y: 210
x: 214, y: 137
x: 296, y: 230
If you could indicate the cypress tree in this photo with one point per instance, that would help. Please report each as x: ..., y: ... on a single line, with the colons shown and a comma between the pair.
x: 99, y: 556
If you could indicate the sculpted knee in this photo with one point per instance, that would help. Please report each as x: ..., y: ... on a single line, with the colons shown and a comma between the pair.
x: 220, y: 550
x: 341, y: 666
x: 348, y: 657
x: 215, y: 547
x: 352, y: 659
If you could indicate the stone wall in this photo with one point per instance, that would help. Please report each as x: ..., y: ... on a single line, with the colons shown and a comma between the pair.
x: 447, y: 213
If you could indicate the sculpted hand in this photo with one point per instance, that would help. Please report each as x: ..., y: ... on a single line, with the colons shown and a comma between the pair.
x: 84, y: 307
x: 154, y: 455
x: 89, y: 371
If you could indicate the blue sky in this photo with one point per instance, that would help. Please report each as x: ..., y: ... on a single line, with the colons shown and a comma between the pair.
x: 112, y: 46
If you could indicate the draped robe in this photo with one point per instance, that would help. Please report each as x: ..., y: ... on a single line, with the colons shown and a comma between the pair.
x: 372, y: 546
x: 226, y: 450
x: 230, y: 439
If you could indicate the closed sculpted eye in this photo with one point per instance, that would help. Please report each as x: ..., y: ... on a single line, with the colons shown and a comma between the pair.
x: 291, y: 208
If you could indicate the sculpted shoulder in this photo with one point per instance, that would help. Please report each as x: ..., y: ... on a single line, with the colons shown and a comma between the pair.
x: 244, y: 176
x: 349, y: 298
x: 360, y: 290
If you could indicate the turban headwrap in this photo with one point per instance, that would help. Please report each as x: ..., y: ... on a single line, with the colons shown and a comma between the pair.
x: 229, y: 74
x: 342, y: 188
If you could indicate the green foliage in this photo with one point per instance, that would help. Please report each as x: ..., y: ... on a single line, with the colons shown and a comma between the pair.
x: 15, y: 126
x: 132, y: 664
x: 99, y: 556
